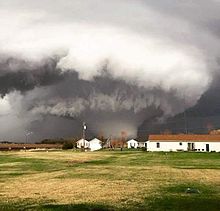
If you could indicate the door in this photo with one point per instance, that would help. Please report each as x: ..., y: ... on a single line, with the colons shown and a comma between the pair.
x: 191, y: 146
x: 207, y: 147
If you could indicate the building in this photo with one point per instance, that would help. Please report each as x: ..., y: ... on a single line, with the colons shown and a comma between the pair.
x: 184, y: 142
x: 95, y: 144
x: 132, y: 144
x: 82, y: 143
x: 142, y: 144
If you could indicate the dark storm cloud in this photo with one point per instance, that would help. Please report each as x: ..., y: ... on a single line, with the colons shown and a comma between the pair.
x: 112, y: 63
x: 101, y: 101
x: 201, y: 118
x: 18, y: 75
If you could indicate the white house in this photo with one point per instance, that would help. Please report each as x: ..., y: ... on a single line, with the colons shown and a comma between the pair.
x: 132, y: 143
x: 95, y: 144
x: 142, y: 144
x: 184, y: 142
x: 82, y: 143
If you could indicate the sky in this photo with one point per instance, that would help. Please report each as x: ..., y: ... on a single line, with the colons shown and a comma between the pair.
x: 113, y: 64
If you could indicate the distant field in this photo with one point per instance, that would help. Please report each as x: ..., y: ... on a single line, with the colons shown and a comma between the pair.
x: 18, y: 146
x: 109, y: 180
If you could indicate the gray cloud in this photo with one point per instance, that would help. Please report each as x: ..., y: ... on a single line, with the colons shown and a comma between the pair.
x: 22, y: 76
x: 104, y: 61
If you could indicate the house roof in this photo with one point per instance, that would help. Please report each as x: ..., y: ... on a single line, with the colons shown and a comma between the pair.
x: 132, y: 140
x: 184, y: 137
x: 95, y: 139
x: 82, y: 140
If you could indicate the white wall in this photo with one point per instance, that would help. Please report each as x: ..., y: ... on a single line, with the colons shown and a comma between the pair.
x: 143, y: 144
x: 213, y: 146
x: 167, y: 146
x: 132, y: 144
x: 95, y: 144
x: 81, y: 143
x: 175, y: 146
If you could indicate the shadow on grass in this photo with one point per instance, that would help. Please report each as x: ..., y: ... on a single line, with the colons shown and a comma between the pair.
x: 57, y: 207
x: 90, y: 207
x: 177, y: 198
x: 189, y: 203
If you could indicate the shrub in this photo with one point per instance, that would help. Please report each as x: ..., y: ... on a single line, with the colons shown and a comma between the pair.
x: 67, y: 145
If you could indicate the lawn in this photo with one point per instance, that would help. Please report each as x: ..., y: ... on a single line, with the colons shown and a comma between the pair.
x: 109, y: 180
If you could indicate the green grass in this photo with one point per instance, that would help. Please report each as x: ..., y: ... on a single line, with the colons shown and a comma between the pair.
x: 57, y: 207
x: 176, y: 198
x: 109, y: 180
x: 12, y: 166
x: 189, y: 203
x: 172, y: 159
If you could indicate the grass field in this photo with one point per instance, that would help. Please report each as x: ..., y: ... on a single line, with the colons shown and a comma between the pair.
x: 109, y: 180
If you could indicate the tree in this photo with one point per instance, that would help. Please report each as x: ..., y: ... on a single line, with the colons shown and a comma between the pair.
x: 67, y: 145
x: 123, y: 139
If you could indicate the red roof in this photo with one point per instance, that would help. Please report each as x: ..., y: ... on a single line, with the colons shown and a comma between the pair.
x: 184, y: 137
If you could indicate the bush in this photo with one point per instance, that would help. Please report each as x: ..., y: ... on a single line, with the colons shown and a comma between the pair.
x: 67, y: 145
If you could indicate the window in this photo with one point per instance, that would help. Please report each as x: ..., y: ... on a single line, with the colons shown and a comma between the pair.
x: 158, y: 145
x: 181, y: 143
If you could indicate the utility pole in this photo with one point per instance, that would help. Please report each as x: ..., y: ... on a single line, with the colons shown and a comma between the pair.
x: 84, y: 134
x: 27, y: 135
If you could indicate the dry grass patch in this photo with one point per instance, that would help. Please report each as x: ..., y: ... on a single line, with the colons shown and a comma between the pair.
x: 59, y: 155
x: 70, y: 190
